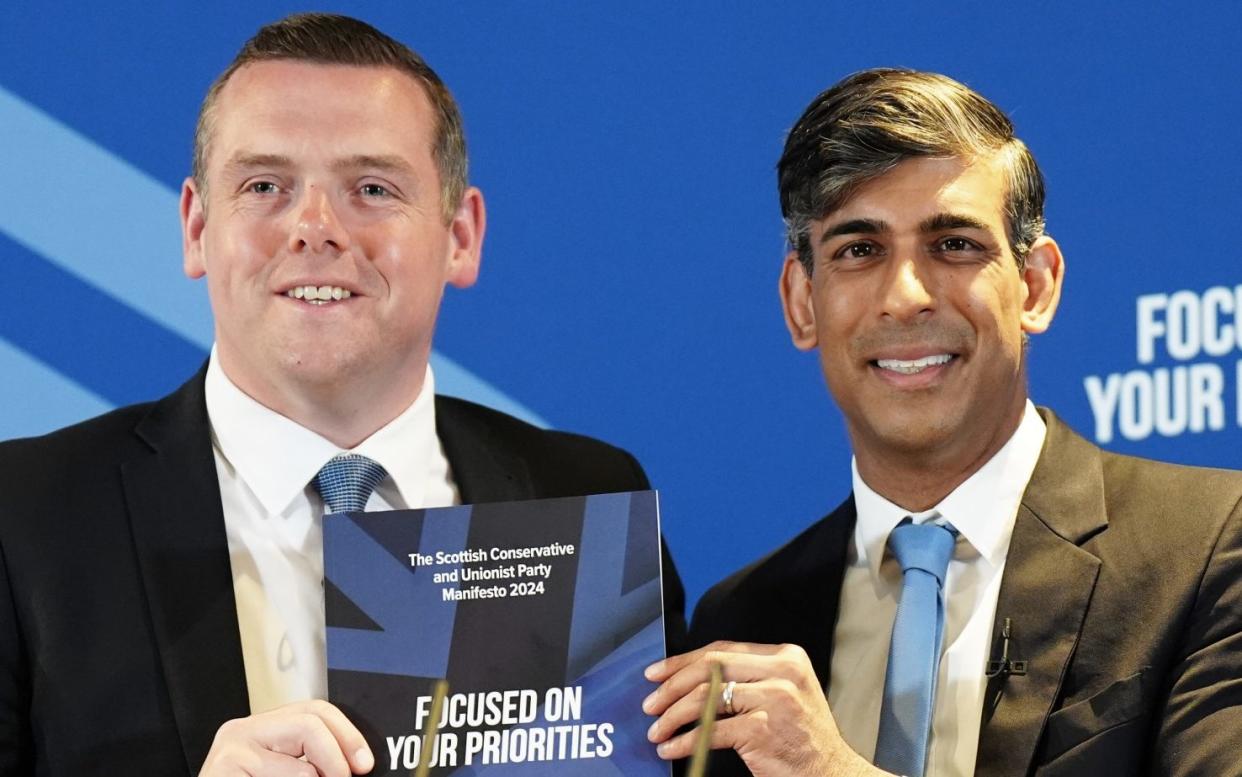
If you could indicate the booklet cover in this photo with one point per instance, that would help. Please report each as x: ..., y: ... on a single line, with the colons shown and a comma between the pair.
x: 540, y: 614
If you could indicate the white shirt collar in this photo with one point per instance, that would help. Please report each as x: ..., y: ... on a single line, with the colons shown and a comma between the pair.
x: 982, y: 509
x: 277, y: 458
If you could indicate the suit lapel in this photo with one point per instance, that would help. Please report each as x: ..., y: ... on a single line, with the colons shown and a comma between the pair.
x: 173, y: 497
x: 800, y: 603
x: 1046, y: 590
x: 820, y: 618
x: 484, y: 465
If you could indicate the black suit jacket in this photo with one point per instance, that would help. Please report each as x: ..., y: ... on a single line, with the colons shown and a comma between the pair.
x: 1124, y: 587
x: 119, y: 645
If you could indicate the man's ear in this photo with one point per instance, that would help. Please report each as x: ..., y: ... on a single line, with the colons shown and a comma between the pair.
x: 1042, y: 276
x: 192, y: 223
x: 466, y: 230
x: 796, y: 299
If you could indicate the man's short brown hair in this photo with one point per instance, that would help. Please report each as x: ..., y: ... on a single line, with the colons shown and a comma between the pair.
x: 330, y: 39
x: 868, y: 123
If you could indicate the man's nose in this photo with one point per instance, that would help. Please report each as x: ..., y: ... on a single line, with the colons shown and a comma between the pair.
x: 318, y: 227
x: 907, y: 290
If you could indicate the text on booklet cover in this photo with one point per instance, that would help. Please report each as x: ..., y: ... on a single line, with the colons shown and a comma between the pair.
x: 540, y: 614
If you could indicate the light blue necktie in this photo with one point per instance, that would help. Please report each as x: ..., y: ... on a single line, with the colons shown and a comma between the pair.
x: 346, y: 482
x: 923, y: 551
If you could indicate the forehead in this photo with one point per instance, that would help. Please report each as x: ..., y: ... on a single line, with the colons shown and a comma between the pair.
x: 926, y: 186
x: 321, y: 109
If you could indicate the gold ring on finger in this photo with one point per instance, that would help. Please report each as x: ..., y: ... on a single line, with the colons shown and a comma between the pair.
x: 726, y: 696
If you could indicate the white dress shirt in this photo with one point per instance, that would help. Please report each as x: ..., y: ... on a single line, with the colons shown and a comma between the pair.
x: 274, y: 521
x: 983, y: 510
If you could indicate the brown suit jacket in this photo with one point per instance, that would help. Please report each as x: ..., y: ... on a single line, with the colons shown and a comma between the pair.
x: 1124, y: 588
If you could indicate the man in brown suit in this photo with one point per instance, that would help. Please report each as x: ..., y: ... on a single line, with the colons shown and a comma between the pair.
x: 1090, y: 604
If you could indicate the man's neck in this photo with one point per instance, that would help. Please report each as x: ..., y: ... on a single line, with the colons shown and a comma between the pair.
x: 345, y: 413
x: 918, y: 480
x: 345, y: 420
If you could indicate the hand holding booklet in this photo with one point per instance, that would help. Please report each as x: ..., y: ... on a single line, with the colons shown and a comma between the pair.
x: 541, y: 615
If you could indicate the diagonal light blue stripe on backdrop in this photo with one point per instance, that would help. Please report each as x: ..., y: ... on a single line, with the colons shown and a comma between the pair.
x: 36, y: 399
x: 96, y: 216
x: 115, y: 228
x: 102, y: 344
x: 452, y: 378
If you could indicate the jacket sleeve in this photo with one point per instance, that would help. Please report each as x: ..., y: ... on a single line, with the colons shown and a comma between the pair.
x: 1201, y: 723
x: 15, y: 747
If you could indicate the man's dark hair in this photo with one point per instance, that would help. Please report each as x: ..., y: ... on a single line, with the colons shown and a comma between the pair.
x: 330, y: 39
x: 868, y: 123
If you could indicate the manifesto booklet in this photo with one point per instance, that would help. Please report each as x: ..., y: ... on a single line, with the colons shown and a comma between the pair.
x: 541, y: 615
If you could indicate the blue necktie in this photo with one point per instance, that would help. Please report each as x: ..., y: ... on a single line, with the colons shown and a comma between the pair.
x: 346, y: 482
x: 923, y: 551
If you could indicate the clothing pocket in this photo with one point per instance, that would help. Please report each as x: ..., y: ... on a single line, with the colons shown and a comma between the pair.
x: 1119, y: 703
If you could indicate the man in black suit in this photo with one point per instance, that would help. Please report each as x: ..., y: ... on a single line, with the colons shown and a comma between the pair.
x: 160, y: 566
x: 1085, y: 614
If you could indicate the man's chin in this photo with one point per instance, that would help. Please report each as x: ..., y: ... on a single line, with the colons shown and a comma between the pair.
x: 909, y: 434
x: 325, y: 372
x: 922, y: 440
x: 320, y: 372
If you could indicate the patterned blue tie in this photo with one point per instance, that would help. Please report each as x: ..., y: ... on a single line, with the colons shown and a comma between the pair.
x: 923, y: 552
x: 346, y: 482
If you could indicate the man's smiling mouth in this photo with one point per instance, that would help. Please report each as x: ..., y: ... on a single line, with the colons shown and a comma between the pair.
x: 318, y: 295
x: 913, y: 366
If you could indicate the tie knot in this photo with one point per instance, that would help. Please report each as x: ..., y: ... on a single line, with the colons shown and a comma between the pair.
x: 346, y: 482
x: 925, y: 546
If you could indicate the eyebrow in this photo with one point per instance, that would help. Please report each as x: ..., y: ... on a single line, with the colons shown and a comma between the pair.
x: 854, y: 227
x: 245, y: 161
x: 387, y: 163
x: 943, y: 221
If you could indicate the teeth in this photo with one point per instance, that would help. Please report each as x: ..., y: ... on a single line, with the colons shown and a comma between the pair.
x: 916, y: 365
x: 318, y: 294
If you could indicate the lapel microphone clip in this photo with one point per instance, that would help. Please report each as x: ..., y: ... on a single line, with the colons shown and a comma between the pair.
x: 997, y: 667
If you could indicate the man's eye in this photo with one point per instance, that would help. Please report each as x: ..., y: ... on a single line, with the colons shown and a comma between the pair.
x: 373, y: 190
x: 263, y: 187
x: 857, y: 251
x: 954, y: 244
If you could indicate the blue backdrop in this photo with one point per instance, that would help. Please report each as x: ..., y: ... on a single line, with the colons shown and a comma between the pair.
x: 629, y: 277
